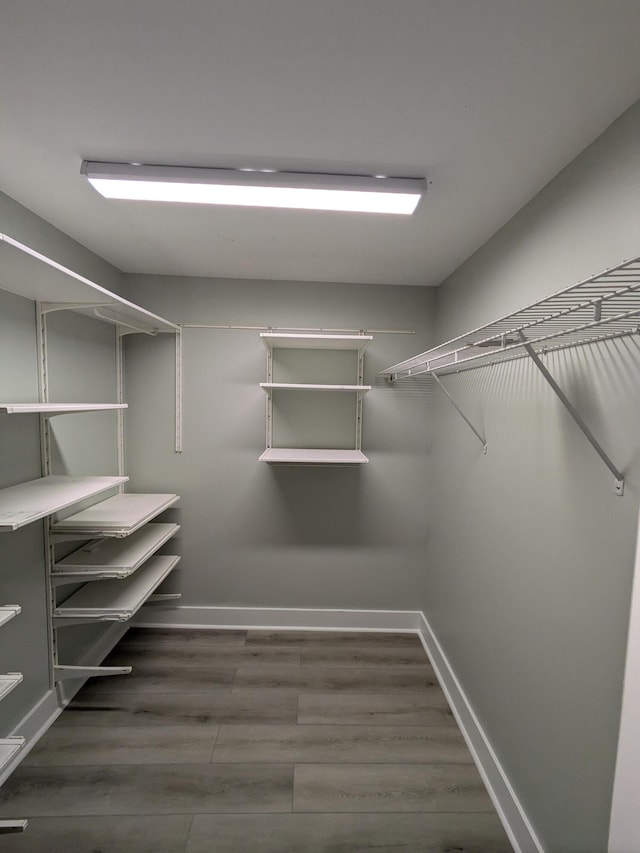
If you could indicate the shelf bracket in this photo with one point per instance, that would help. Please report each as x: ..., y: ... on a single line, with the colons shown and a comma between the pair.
x: 477, y: 434
x: 7, y: 826
x: 533, y: 355
x: 65, y: 672
x: 162, y: 598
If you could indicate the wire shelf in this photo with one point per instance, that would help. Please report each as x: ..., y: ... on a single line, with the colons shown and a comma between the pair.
x: 599, y: 308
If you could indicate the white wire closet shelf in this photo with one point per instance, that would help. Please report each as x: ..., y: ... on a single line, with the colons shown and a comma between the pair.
x: 28, y: 273
x: 31, y: 501
x: 305, y: 456
x: 7, y: 612
x: 599, y: 308
x: 286, y: 340
x: 116, y: 600
x: 101, y: 559
x: 57, y: 408
x: 8, y: 681
x: 120, y: 515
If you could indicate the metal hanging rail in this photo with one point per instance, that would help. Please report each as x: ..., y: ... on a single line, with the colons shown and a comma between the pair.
x: 600, y: 308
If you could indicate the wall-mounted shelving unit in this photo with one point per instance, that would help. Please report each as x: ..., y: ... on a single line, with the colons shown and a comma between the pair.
x: 103, y: 559
x: 305, y: 341
x: 28, y: 273
x: 28, y: 502
x: 118, y: 516
x: 51, y: 409
x: 115, y: 600
x: 600, y: 308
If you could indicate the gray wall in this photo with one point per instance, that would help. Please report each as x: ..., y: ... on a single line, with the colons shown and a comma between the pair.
x: 82, y: 369
x: 530, y: 561
x: 269, y: 536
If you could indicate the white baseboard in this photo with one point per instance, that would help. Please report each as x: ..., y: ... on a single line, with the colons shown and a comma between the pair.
x: 280, y: 618
x: 511, y: 813
x: 510, y: 810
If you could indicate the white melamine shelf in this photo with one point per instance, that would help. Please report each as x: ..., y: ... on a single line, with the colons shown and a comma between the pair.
x: 28, y: 273
x: 7, y: 612
x: 295, y: 456
x: 290, y: 386
x: 7, y: 826
x: 29, y: 502
x: 101, y: 559
x: 8, y: 682
x: 116, y: 600
x: 9, y: 748
x: 277, y: 340
x: 120, y: 515
x: 57, y: 408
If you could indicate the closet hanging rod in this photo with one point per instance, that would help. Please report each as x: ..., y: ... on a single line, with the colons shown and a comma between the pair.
x: 320, y: 330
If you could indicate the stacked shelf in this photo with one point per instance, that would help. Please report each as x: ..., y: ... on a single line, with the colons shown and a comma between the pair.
x: 116, y: 600
x: 7, y: 612
x: 337, y: 456
x: 8, y: 682
x: 51, y: 409
x: 118, y: 516
x: 28, y: 502
x: 7, y: 826
x: 104, y: 559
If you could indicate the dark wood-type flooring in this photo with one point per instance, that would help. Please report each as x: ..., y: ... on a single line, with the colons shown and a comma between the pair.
x: 273, y: 742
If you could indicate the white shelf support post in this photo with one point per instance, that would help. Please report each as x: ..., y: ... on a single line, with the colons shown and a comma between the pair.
x: 120, y: 395
x: 533, y: 355
x: 179, y: 375
x: 269, y: 401
x: 477, y: 434
x: 359, y: 381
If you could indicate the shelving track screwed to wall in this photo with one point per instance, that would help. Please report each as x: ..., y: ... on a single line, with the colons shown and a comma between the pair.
x: 600, y: 308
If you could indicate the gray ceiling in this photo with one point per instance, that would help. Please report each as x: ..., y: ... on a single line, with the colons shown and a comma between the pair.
x: 487, y: 98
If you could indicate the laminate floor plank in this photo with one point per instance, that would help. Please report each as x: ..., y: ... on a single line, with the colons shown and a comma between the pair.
x: 124, y: 834
x: 389, y: 788
x: 159, y: 638
x: 161, y: 675
x: 150, y: 790
x: 94, y: 708
x: 91, y: 745
x: 335, y: 638
x: 201, y: 655
x: 348, y: 833
x: 380, y: 679
x: 329, y: 655
x: 344, y: 744
x: 429, y: 707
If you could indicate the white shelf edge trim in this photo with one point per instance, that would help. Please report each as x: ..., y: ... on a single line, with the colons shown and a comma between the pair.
x: 57, y: 408
x: 116, y: 600
x: 276, y: 340
x: 8, y: 682
x: 295, y: 456
x: 120, y: 515
x: 72, y: 290
x: 28, y: 502
x: 286, y: 386
x: 103, y: 559
x: 7, y: 612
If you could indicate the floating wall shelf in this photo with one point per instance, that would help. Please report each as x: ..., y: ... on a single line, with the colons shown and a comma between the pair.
x: 28, y: 502
x: 299, y: 456
x: 290, y: 386
x: 283, y: 340
x: 9, y: 748
x: 28, y: 273
x: 120, y: 515
x: 115, y: 600
x: 8, y: 826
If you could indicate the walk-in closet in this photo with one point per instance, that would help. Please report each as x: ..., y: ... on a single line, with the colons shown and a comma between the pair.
x: 319, y: 452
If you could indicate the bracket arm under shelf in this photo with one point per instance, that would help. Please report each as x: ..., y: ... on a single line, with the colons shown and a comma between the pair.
x: 571, y: 409
x: 476, y: 432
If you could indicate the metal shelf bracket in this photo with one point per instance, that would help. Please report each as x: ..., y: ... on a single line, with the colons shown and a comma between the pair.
x: 476, y: 432
x: 571, y: 409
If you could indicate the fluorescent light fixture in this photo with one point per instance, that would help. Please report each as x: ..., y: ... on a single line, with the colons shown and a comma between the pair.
x: 256, y: 188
